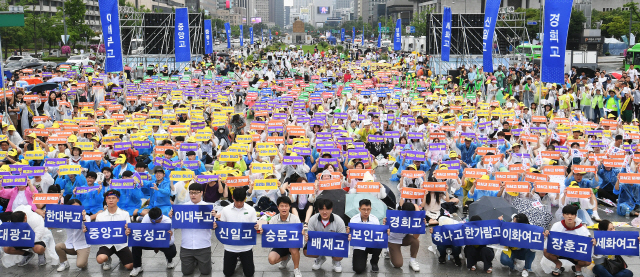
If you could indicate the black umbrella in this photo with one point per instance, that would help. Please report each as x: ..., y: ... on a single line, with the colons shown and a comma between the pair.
x: 339, y: 199
x: 491, y: 207
x: 390, y: 200
x: 44, y: 86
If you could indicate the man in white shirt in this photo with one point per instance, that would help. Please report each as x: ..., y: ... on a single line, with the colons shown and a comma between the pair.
x: 154, y: 216
x: 570, y: 224
x: 360, y: 254
x: 195, y: 246
x: 113, y: 213
x: 238, y: 212
x: 284, y: 255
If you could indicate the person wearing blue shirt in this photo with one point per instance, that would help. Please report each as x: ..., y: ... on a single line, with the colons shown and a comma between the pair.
x: 91, y: 201
x: 579, y: 178
x: 198, y: 169
x: 69, y: 182
x: 130, y: 199
x: 467, y: 149
x: 95, y: 166
x: 608, y: 178
x: 628, y: 198
x: 122, y: 166
x: 161, y: 192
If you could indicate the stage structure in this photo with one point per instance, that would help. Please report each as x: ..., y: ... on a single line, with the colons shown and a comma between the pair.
x: 148, y: 37
x: 466, y: 39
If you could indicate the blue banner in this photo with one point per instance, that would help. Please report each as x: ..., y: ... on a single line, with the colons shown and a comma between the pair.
x: 342, y: 35
x: 445, y: 48
x: 110, y: 21
x: 406, y: 222
x: 490, y: 16
x: 105, y: 232
x: 208, y: 43
x: 227, y: 30
x: 362, y: 35
x: 328, y: 244
x: 379, y: 33
x: 251, y: 35
x: 482, y: 232
x: 269, y: 34
x: 569, y: 245
x: 154, y: 235
x: 16, y: 234
x: 63, y: 216
x: 556, y: 27
x: 368, y: 235
x: 397, y: 36
x: 236, y: 233
x: 181, y: 36
x: 522, y: 236
x: 241, y: 36
x: 192, y: 217
x: 448, y: 235
x: 616, y: 243
x: 282, y: 235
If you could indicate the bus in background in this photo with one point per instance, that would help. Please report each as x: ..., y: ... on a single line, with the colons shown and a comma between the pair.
x: 529, y: 50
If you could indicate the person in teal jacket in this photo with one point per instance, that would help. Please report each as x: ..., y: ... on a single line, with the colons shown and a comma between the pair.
x: 161, y: 192
x: 91, y: 201
x: 95, y: 166
x: 69, y: 182
x: 130, y: 199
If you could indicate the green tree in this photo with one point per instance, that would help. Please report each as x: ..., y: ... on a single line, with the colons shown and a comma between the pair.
x: 419, y: 21
x: 576, y: 25
x: 77, y: 30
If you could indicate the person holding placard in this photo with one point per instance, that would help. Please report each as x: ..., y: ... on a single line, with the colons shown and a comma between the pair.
x: 76, y: 244
x: 160, y: 187
x: 570, y: 224
x: 360, y: 254
x: 195, y: 245
x: 154, y: 216
x: 113, y: 213
x: 397, y: 240
x: 509, y: 255
x: 475, y: 194
x: 475, y: 253
x: 239, y: 211
x: 92, y: 200
x: 325, y: 221
x: 599, y: 269
x: 284, y: 255
x: 583, y: 204
x: 69, y: 182
x: 19, y: 196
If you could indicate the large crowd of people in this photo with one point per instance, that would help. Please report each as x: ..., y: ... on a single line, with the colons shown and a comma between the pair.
x: 347, y: 117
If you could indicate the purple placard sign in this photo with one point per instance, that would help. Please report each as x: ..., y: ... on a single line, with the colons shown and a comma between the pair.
x: 340, y: 115
x: 14, y: 181
x: 333, y: 151
x: 343, y: 140
x: 339, y: 133
x: 141, y: 144
x: 56, y: 162
x: 83, y: 190
x: 122, y: 184
x: 484, y: 125
x: 189, y: 146
x: 120, y: 146
x: 453, y: 164
x: 203, y: 179
x: 33, y: 170
x: 375, y: 138
x: 324, y: 135
x: 437, y: 146
x: 359, y: 145
x: 325, y: 144
x: 357, y: 154
x: 280, y: 116
x: 191, y: 165
x: 302, y: 151
x: 325, y: 161
x: 392, y: 134
x: 596, y: 143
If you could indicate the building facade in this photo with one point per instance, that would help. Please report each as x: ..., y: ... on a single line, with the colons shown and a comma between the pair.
x: 276, y: 12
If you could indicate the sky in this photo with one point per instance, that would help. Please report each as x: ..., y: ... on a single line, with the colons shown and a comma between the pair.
x: 288, y: 2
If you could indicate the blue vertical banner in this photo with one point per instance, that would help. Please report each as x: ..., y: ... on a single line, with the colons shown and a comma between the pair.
x: 397, y: 35
x: 241, y: 36
x: 181, y: 36
x: 208, y: 45
x: 269, y: 34
x: 379, y: 33
x: 227, y: 30
x: 251, y: 35
x: 445, y: 47
x: 353, y: 37
x: 110, y: 20
x: 342, y: 35
x: 490, y: 16
x: 557, y: 14
x: 362, y: 42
